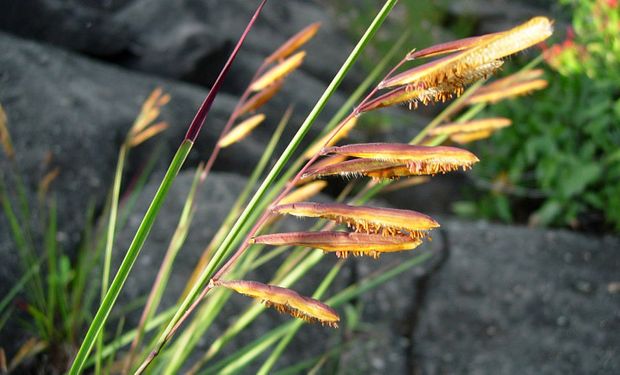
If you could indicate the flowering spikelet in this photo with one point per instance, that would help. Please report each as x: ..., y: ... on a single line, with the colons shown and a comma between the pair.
x: 285, y: 301
x: 242, y: 130
x: 337, y: 134
x: 421, y: 160
x: 342, y: 243
x: 279, y: 71
x: 143, y: 127
x: 260, y: 98
x: 452, y: 46
x: 375, y: 169
x: 468, y: 137
x: 305, y: 192
x: 494, y: 96
x: 484, y: 51
x: 293, y: 43
x: 487, y: 124
x: 415, y: 93
x: 384, y: 221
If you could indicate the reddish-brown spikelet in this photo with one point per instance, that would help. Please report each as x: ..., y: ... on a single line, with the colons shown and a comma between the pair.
x: 260, y: 98
x: 440, y: 92
x: 484, y: 51
x: 355, y: 168
x: 342, y: 243
x: 449, y: 47
x: 487, y: 124
x: 285, y: 300
x: 384, y: 221
x: 278, y: 72
x: 293, y: 43
x: 421, y: 160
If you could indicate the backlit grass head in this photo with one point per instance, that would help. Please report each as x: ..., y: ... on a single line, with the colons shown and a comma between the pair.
x: 385, y: 221
x: 420, y: 160
x: 342, y: 243
x: 285, y: 301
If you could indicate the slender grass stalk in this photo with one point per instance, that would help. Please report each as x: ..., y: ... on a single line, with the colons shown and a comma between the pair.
x: 193, y: 298
x: 111, y: 230
x: 157, y: 290
x: 149, y: 218
x: 130, y: 257
x: 52, y: 266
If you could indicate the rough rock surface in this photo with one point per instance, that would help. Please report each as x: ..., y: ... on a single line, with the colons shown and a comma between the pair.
x: 507, y: 300
x: 187, y: 39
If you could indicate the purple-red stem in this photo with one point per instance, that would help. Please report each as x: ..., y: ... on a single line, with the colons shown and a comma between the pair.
x: 201, y: 115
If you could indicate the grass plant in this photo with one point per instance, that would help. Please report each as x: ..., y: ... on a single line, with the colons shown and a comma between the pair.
x: 164, y: 340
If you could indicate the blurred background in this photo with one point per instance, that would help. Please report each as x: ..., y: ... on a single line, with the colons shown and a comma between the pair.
x: 526, y: 277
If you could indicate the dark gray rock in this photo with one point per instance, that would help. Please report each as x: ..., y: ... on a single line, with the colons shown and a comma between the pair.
x: 185, y: 39
x: 521, y: 301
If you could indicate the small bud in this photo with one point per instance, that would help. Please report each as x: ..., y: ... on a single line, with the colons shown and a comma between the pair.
x: 278, y: 72
x: 293, y: 43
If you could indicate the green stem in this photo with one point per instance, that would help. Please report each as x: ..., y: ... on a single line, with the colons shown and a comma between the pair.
x: 225, y: 247
x: 130, y: 258
x: 111, y: 229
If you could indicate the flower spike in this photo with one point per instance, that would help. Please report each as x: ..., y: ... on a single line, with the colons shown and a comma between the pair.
x: 420, y: 160
x: 279, y: 71
x: 384, y: 221
x: 482, y: 52
x: 285, y: 300
x: 294, y: 43
x: 242, y: 130
x: 342, y: 243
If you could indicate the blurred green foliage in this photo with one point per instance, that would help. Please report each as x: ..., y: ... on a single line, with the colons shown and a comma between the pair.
x: 559, y: 164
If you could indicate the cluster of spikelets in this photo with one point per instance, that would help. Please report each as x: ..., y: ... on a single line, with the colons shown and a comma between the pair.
x: 281, y: 63
x: 373, y: 230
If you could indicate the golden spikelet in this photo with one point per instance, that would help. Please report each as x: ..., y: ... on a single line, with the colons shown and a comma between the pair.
x: 285, y: 301
x: 376, y: 169
x: 241, y: 131
x: 337, y: 136
x: 342, y: 243
x: 260, y: 98
x: 147, y: 133
x: 304, y: 192
x: 449, y: 47
x: 413, y: 94
x: 293, y: 43
x: 468, y: 137
x: 421, y: 160
x: 5, y: 136
x: 278, y: 72
x: 519, y: 89
x: 484, y: 51
x: 487, y: 124
x: 384, y: 221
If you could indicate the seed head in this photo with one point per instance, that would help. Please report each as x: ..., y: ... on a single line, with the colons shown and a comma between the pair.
x: 278, y: 72
x: 342, y: 243
x: 421, y: 160
x: 384, y: 221
x: 473, y: 54
x: 487, y: 124
x: 335, y: 135
x: 293, y: 43
x: 260, y: 98
x: 495, y: 95
x: 285, y: 301
x: 242, y: 130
